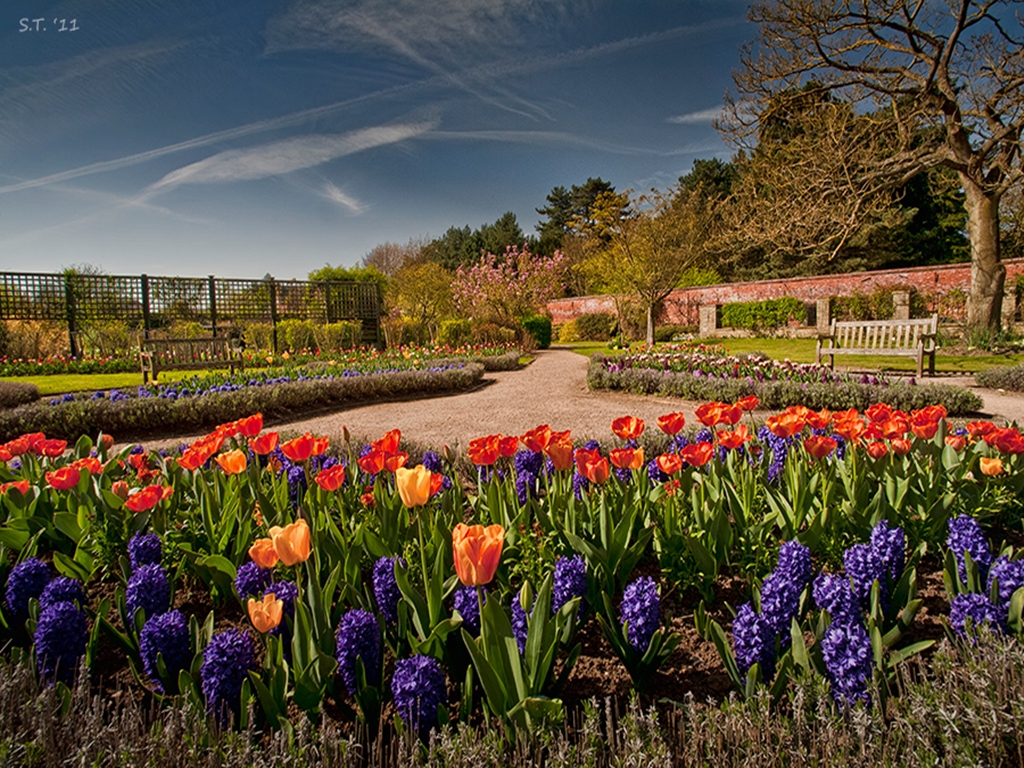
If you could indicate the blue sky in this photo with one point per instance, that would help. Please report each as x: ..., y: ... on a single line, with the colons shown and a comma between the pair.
x: 240, y: 138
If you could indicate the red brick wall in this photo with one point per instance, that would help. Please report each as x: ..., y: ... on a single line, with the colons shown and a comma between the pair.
x: 681, y: 305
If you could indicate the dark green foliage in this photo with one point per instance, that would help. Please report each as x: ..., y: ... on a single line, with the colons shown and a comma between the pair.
x: 145, y: 416
x: 758, y: 315
x: 463, y: 246
x: 666, y: 333
x: 1010, y: 377
x: 712, y: 178
x: 539, y: 326
x: 15, y: 393
x: 596, y: 326
x: 568, y: 210
x: 781, y: 394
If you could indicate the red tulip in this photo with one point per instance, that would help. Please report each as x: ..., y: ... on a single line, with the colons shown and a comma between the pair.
x: 389, y: 441
x: 669, y: 463
x: 627, y: 458
x: 251, y: 426
x: 748, y: 403
x: 560, y: 451
x: 697, y: 454
x: 263, y: 444
x: 299, y: 449
x: 331, y: 479
x: 19, y: 485
x: 507, y: 446
x: 372, y: 462
x: 877, y: 449
x: 628, y: 427
x: 672, y: 423
x: 819, y: 446
x: 483, y: 451
x: 736, y: 438
x: 64, y: 479
x: 537, y: 439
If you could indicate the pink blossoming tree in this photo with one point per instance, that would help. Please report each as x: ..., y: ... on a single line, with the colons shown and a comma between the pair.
x: 509, y: 287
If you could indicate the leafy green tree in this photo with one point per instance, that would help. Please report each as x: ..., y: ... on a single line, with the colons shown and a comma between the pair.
x: 568, y: 212
x: 463, y: 247
x: 711, y: 178
x: 423, y: 293
x: 357, y: 274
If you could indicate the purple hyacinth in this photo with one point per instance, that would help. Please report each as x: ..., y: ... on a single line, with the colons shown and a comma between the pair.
x: 654, y: 473
x: 528, y: 462
x: 965, y: 535
x: 846, y: 649
x: 385, y: 587
x: 358, y: 637
x: 62, y: 589
x: 227, y: 660
x: 27, y: 580
x: 520, y: 623
x: 570, y: 581
x: 418, y: 688
x: 144, y: 549
x: 863, y: 566
x: 297, y: 484
x: 59, y: 639
x: 432, y: 462
x: 833, y: 593
x: 780, y: 601
x: 467, y: 603
x: 526, y: 487
x: 753, y: 641
x: 251, y: 580
x: 167, y: 635
x: 977, y: 608
x: 795, y: 563
x: 1009, y: 574
x: 149, y: 589
x: 889, y: 545
x: 640, y: 612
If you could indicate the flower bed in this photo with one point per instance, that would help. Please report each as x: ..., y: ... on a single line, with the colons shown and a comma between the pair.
x: 257, y: 578
x: 711, y: 376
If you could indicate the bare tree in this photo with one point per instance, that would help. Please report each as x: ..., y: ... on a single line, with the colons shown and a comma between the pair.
x: 947, y: 77
x: 389, y: 258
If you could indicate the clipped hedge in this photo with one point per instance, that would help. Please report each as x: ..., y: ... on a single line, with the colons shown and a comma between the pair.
x: 1009, y: 377
x: 835, y: 396
x: 596, y: 326
x: 755, y: 315
x: 539, y: 327
x: 15, y: 393
x: 144, y: 416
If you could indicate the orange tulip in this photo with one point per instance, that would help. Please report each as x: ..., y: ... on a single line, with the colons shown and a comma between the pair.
x: 477, y: 552
x: 697, y: 454
x: 19, y: 485
x: 250, y: 426
x: 389, y: 441
x: 672, y: 423
x: 748, y: 403
x: 538, y: 438
x: 900, y: 446
x: 320, y: 445
x: 120, y: 489
x: 669, y: 463
x: 232, y: 462
x: 819, y: 419
x: 559, y: 450
x: 331, y: 479
x: 850, y: 428
x: 956, y: 442
x: 105, y: 441
x: 263, y: 444
x: 627, y: 458
x: 736, y: 438
x: 879, y: 412
x: 710, y: 414
x: 192, y: 459
x: 978, y: 429
x: 263, y: 553
x: 52, y: 448
x: 90, y: 464
x: 595, y: 468
x: 925, y: 431
x: 147, y: 498
x: 991, y: 466
x: 895, y: 426
x: 5, y: 453
x: 819, y: 446
x: 372, y: 462
x: 413, y: 485
x: 267, y: 614
x: 299, y: 449
x: 507, y: 446
x: 436, y: 483
x: 628, y: 427
x: 291, y: 542
x: 877, y: 449
x: 394, y: 461
x: 483, y: 451
x: 64, y: 479
x: 786, y: 424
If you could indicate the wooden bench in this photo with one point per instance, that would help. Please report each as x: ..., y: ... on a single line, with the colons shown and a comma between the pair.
x: 906, y: 338
x: 158, y: 355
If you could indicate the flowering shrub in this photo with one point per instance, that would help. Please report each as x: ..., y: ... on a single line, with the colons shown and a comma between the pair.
x: 510, y: 287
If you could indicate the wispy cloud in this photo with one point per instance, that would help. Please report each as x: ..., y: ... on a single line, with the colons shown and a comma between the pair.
x: 335, y: 195
x: 540, y: 138
x: 700, y: 117
x: 282, y: 157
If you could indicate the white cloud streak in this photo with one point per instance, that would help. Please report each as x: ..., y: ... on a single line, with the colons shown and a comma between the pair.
x: 335, y: 195
x: 700, y: 117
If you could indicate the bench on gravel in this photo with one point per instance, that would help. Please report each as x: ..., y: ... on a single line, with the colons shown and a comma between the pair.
x: 906, y: 338
x: 158, y: 355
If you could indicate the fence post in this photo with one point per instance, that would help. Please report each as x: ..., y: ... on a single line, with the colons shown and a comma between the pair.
x: 145, y: 307
x: 272, y: 286
x: 69, y: 308
x: 213, y: 306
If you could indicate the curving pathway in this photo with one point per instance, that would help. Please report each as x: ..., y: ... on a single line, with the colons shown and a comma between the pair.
x: 551, y: 390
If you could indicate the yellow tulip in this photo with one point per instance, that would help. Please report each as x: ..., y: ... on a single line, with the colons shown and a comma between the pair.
x: 413, y: 485
x: 291, y: 542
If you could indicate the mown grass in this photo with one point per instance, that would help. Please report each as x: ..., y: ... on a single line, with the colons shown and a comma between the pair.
x: 60, y: 383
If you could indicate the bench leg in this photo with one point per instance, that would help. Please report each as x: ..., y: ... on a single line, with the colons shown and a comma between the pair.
x: 920, y: 363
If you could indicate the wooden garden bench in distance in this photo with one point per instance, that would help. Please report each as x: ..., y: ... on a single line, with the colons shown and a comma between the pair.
x: 905, y: 338
x: 158, y: 355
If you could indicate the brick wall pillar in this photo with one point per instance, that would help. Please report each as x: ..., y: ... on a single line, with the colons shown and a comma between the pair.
x: 708, y: 320
x: 1009, y: 310
x: 823, y: 315
x: 900, y: 305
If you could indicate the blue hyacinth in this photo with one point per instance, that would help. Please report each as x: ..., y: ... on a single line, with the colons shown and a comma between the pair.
x: 753, y: 641
x: 227, y: 660
x: 467, y: 603
x: 251, y: 580
x: 167, y: 635
x: 833, y: 593
x: 965, y: 535
x: 520, y: 623
x: 846, y: 650
x: 27, y: 580
x: 978, y: 609
x: 144, y: 549
x: 149, y: 589
x: 864, y: 567
x: 640, y: 612
x: 358, y: 637
x: 59, y: 639
x: 889, y: 545
x: 418, y: 688
x: 385, y: 587
x: 1009, y: 575
x: 570, y: 581
x: 62, y: 589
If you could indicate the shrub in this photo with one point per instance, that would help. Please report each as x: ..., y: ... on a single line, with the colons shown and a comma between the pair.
x: 759, y: 315
x: 455, y: 333
x: 342, y: 335
x: 15, y: 393
x: 568, y: 331
x: 492, y: 333
x: 36, y: 339
x: 596, y: 326
x: 296, y: 335
x: 539, y: 326
x: 666, y: 333
x: 259, y: 336
x: 1007, y: 377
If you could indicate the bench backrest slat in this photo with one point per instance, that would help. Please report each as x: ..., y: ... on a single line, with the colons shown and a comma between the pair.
x: 881, y: 334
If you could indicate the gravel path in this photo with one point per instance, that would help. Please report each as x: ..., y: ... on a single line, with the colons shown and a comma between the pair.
x: 551, y: 390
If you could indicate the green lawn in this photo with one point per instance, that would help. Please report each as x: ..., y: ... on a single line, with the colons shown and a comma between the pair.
x: 84, y: 382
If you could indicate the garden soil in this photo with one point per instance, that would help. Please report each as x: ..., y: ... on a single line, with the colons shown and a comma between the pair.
x: 551, y: 390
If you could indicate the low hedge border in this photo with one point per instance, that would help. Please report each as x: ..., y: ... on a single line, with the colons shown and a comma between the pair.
x: 836, y: 396
x: 1010, y: 377
x: 153, y: 415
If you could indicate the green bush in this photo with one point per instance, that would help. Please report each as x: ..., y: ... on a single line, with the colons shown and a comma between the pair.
x: 342, y: 335
x: 760, y: 315
x: 258, y: 336
x: 15, y: 393
x: 596, y: 326
x: 539, y: 326
x: 1006, y: 377
x: 666, y: 333
x: 296, y: 335
x: 455, y: 333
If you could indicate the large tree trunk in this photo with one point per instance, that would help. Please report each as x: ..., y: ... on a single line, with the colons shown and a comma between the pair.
x: 988, y: 273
